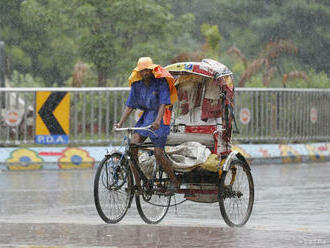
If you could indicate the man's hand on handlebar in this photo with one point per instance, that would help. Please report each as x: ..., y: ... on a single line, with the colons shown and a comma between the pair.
x: 155, y: 125
x: 117, y: 125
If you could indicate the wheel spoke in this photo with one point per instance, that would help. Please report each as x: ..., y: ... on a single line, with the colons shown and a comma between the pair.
x: 153, y: 209
x: 110, y: 189
x: 237, y: 200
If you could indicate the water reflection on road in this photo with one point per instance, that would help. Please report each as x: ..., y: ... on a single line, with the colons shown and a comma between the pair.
x: 56, y: 208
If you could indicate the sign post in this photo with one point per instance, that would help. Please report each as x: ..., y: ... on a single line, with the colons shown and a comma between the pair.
x: 2, y: 73
x: 52, y: 117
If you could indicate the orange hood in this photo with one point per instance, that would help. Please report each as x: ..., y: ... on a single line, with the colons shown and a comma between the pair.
x: 159, y: 72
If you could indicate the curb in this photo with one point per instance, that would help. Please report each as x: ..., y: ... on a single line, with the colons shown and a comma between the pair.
x: 259, y: 154
x: 54, y: 158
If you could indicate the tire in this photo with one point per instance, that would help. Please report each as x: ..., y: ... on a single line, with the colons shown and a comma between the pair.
x: 113, y: 186
x: 152, y: 208
x: 236, y: 194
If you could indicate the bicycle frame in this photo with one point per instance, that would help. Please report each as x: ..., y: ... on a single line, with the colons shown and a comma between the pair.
x: 127, y: 152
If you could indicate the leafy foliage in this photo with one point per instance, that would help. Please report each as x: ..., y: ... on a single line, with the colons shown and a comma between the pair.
x: 23, y: 80
x: 212, y: 38
x: 266, y: 40
x: 269, y: 59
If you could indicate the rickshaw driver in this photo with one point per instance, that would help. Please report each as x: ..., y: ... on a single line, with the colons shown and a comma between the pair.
x: 151, y: 95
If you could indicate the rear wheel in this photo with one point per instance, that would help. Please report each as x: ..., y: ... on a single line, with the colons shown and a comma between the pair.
x: 113, y: 188
x: 153, y: 207
x: 236, y: 194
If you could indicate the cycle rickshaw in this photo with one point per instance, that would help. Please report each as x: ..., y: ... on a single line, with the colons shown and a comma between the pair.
x: 201, y: 129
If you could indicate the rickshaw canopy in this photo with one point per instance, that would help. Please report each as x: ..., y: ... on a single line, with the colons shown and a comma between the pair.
x: 207, y: 67
x: 205, y: 97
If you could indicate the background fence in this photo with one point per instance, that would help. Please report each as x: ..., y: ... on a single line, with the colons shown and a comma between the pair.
x: 262, y: 115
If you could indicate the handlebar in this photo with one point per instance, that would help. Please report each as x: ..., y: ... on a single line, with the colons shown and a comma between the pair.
x: 130, y: 129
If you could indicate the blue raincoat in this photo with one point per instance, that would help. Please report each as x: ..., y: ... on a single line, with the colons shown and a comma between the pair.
x: 148, y: 99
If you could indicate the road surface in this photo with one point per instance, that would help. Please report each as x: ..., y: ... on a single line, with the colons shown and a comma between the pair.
x: 56, y: 209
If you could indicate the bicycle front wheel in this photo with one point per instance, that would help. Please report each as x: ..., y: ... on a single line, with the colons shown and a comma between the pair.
x: 113, y: 188
x: 236, y: 194
x: 152, y: 208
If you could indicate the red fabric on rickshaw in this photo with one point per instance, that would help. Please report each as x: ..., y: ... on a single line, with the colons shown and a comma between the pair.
x: 207, y: 129
x: 183, y: 98
x: 210, y: 109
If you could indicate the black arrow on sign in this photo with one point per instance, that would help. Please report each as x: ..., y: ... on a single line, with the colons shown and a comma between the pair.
x: 46, y: 112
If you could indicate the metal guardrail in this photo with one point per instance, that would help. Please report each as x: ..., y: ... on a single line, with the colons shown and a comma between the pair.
x: 284, y: 115
x: 263, y: 115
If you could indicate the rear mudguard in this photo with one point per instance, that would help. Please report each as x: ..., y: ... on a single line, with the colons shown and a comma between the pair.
x: 234, y: 155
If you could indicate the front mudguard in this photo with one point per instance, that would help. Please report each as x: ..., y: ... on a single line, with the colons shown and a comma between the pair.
x: 126, y: 159
x: 235, y: 155
x: 117, y: 152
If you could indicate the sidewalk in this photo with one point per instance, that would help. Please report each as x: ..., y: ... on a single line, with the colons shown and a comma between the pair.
x: 36, y: 158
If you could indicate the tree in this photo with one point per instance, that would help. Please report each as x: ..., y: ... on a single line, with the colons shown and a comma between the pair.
x: 38, y: 38
x: 11, y: 28
x: 121, y: 31
x: 212, y: 40
x: 250, y: 24
x: 49, y: 39
x: 302, y: 21
x: 269, y: 60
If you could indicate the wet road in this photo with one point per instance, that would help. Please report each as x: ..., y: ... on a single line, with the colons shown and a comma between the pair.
x: 56, y: 209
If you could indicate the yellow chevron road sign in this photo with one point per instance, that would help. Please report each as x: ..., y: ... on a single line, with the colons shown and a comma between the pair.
x: 52, y: 117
